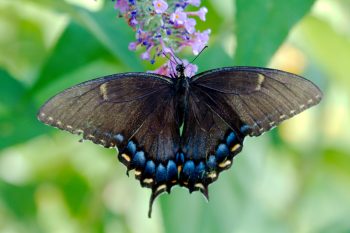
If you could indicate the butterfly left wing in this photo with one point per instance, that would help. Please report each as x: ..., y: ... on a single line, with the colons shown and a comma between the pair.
x: 133, y: 111
x: 124, y: 110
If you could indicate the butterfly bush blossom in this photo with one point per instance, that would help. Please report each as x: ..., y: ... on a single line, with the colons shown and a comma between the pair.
x: 164, y: 28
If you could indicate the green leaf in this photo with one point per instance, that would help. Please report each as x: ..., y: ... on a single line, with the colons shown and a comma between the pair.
x: 328, y: 47
x: 113, y: 33
x: 11, y: 91
x: 22, y: 42
x: 205, y: 61
x: 19, y: 199
x: 75, y: 48
x: 75, y: 190
x: 18, y: 121
x: 262, y: 26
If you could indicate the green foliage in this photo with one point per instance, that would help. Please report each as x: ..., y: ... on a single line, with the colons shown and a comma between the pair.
x: 70, y: 45
x: 293, y: 179
x: 19, y: 199
x: 18, y: 115
x: 270, y: 22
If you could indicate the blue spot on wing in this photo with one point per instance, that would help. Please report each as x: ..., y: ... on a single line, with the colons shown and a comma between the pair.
x: 171, y: 171
x: 231, y: 139
x: 131, y: 147
x: 161, y: 174
x: 211, y: 163
x: 222, y: 152
x: 139, y: 160
x: 149, y: 169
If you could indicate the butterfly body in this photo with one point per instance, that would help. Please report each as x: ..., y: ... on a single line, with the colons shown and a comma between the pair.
x: 181, y: 93
x: 180, y: 130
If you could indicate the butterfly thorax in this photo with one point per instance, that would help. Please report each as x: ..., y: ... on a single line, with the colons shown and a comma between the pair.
x: 182, y: 94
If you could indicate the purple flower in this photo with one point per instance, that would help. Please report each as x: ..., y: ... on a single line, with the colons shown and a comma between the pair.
x: 200, y: 41
x: 178, y: 17
x: 133, y: 22
x: 201, y: 13
x: 190, y: 25
x: 132, y: 45
x: 169, y: 69
x: 165, y: 49
x: 147, y: 55
x: 164, y: 28
x: 194, y: 2
x: 122, y: 5
x: 160, y: 6
x: 190, y: 69
x: 163, y: 70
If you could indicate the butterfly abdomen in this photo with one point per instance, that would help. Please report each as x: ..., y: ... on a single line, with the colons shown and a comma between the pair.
x: 181, y: 93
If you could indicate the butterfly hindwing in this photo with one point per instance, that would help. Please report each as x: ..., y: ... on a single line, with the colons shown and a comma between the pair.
x: 208, y: 140
x: 261, y: 97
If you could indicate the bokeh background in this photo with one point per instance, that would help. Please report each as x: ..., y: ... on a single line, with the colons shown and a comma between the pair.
x: 295, y: 178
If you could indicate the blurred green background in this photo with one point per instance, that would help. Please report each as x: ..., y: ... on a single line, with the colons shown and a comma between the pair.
x: 295, y: 178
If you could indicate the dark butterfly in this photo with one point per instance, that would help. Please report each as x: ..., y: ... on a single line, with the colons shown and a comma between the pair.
x: 179, y: 131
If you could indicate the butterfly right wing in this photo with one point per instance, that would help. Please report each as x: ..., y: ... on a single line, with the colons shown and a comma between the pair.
x: 227, y: 104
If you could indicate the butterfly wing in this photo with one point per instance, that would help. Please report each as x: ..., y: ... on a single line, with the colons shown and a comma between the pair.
x: 227, y: 104
x: 123, y: 110
x: 261, y: 97
x: 209, y: 141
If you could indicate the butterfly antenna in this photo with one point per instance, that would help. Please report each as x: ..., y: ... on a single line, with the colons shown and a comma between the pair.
x: 176, y: 58
x: 175, y: 63
x: 198, y: 55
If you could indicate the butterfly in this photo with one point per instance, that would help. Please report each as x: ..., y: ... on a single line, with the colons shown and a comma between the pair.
x: 179, y: 130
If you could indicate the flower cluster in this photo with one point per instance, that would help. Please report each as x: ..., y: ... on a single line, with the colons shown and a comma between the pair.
x: 164, y: 28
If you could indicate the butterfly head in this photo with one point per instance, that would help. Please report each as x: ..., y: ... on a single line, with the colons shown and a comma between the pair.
x: 180, y: 69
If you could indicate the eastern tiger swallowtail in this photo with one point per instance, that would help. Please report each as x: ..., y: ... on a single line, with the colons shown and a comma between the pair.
x: 179, y: 131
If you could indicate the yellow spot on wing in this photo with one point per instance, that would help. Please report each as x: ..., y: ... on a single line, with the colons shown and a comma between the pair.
x: 161, y: 188
x: 199, y: 185
x: 137, y: 173
x: 212, y: 175
x: 90, y: 136
x: 103, y: 91
x: 225, y: 164
x: 148, y: 181
x: 261, y: 79
x: 179, y: 169
x: 126, y: 157
x: 235, y: 147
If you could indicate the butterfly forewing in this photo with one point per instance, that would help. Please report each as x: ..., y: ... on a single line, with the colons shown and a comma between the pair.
x: 109, y: 110
x: 261, y: 97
